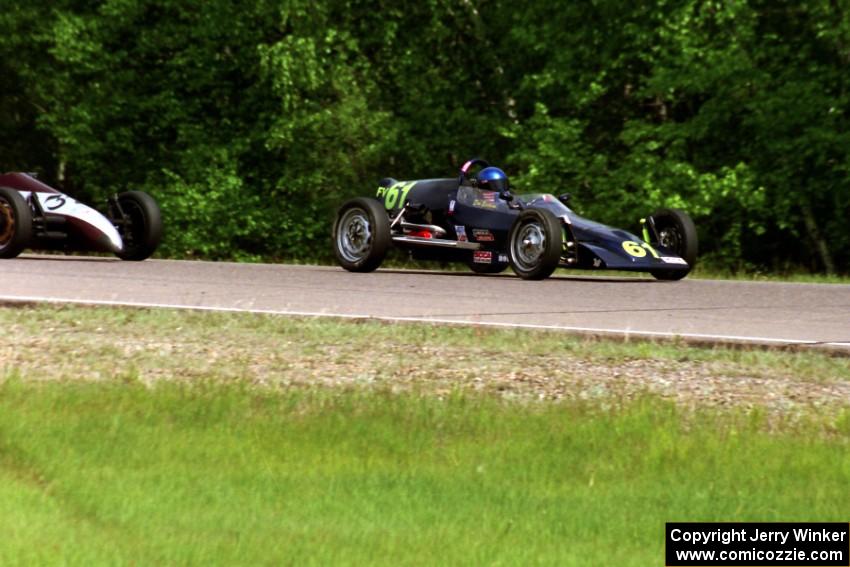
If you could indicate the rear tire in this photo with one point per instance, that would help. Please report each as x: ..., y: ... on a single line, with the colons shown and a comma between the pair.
x: 678, y: 234
x: 535, y: 243
x: 361, y: 235
x: 15, y: 223
x: 141, y: 228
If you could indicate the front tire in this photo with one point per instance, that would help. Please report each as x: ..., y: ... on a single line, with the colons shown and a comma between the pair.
x: 361, y: 235
x: 534, y: 244
x: 678, y: 234
x: 139, y: 224
x: 15, y: 223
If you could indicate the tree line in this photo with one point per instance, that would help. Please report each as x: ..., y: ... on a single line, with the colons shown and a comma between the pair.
x: 250, y: 121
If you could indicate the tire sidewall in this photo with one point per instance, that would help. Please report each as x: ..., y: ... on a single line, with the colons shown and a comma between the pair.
x: 688, y: 247
x: 147, y: 241
x: 686, y: 228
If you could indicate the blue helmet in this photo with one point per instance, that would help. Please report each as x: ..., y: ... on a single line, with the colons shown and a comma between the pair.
x: 493, y: 179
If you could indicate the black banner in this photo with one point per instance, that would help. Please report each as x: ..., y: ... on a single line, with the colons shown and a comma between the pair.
x: 744, y: 544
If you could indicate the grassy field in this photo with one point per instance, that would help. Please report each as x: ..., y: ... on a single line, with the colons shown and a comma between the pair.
x: 214, y: 474
x: 157, y: 437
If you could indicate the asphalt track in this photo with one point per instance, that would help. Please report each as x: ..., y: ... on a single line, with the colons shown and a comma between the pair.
x: 771, y: 314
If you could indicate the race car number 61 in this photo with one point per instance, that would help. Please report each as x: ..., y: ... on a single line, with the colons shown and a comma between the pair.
x: 391, y: 194
x: 638, y: 249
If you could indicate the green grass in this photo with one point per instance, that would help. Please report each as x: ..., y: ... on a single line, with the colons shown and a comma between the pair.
x: 763, y: 276
x: 149, y: 437
x: 213, y: 474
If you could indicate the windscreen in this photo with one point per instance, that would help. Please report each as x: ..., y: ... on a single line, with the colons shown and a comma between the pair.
x: 544, y: 200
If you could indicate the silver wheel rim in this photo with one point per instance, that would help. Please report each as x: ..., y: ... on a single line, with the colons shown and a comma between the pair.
x: 529, y: 245
x: 354, y: 235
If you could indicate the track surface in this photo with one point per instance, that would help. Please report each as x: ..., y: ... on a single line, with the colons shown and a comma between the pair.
x: 702, y: 310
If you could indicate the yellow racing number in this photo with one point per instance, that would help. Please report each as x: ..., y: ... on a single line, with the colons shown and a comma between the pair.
x: 638, y: 249
x: 634, y: 249
x: 395, y: 195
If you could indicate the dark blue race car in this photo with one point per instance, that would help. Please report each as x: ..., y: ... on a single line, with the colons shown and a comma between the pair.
x: 477, y: 220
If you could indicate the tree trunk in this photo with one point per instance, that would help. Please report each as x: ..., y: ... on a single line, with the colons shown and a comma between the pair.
x: 60, y: 169
x: 814, y: 234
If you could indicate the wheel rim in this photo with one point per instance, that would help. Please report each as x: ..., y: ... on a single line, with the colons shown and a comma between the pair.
x: 354, y: 235
x: 529, y: 245
x: 670, y: 238
x: 7, y: 223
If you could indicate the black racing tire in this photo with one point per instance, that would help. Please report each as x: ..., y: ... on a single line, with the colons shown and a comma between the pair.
x: 141, y: 228
x: 361, y: 235
x: 15, y: 223
x: 535, y: 243
x: 678, y: 234
x: 495, y: 268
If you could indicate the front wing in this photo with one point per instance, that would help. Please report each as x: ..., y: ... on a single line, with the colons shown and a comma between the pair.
x: 604, y: 247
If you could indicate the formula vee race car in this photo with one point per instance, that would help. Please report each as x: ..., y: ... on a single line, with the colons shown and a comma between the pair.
x: 35, y: 215
x: 477, y: 220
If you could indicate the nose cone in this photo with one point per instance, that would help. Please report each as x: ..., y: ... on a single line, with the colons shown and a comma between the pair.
x: 110, y: 243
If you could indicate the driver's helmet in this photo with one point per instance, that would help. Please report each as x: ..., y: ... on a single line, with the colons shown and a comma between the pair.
x: 493, y: 179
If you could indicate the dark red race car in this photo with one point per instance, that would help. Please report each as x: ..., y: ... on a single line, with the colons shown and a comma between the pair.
x: 35, y: 215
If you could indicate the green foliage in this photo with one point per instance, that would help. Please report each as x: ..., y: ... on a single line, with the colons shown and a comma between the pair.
x: 251, y: 121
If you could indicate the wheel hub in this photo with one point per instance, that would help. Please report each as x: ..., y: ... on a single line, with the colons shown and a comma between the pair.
x: 531, y: 244
x: 669, y: 238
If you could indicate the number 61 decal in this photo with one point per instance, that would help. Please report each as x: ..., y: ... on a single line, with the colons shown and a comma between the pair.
x: 638, y: 249
x: 395, y: 195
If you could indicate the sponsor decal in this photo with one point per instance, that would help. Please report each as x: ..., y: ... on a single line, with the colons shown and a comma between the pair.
x: 489, y: 196
x: 461, y: 233
x: 483, y: 204
x: 451, y: 206
x: 503, y: 257
x: 482, y: 235
x: 482, y: 257
x: 597, y: 262
x: 673, y: 260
